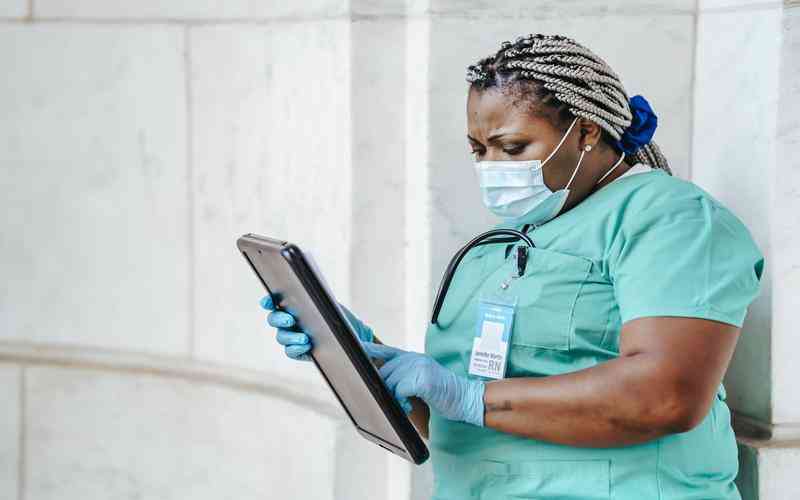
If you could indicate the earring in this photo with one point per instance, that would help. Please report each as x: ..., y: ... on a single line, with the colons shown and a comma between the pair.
x: 587, y: 148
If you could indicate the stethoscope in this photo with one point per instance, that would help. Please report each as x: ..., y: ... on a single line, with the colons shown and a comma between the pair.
x: 482, y: 239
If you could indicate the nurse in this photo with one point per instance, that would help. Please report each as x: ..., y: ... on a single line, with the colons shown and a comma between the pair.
x: 593, y: 370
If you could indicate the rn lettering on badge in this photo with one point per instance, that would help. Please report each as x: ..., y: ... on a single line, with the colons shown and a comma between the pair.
x: 490, y: 345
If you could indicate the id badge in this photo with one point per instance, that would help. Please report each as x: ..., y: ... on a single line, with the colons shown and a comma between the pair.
x: 492, y: 336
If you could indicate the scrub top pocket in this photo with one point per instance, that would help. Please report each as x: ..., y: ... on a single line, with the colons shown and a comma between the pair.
x: 547, y: 293
x: 547, y: 479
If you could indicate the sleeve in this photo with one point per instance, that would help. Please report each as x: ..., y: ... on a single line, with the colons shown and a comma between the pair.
x: 690, y: 258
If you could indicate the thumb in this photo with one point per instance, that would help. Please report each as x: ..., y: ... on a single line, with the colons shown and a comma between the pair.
x: 381, y: 351
x: 267, y: 303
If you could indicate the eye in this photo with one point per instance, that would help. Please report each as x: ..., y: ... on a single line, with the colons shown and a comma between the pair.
x: 514, y: 150
x: 476, y: 152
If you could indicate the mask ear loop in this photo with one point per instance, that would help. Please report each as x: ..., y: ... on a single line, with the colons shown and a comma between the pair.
x: 566, y: 188
x: 580, y: 160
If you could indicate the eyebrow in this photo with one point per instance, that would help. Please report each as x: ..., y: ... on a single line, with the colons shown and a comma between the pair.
x: 492, y: 137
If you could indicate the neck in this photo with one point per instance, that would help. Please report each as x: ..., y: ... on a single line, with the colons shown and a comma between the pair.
x: 598, y: 166
x: 620, y: 170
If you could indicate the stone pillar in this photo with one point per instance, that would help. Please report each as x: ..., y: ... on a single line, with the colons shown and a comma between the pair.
x: 745, y: 151
x: 137, y: 142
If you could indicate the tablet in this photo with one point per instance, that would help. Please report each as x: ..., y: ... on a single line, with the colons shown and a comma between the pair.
x: 297, y: 287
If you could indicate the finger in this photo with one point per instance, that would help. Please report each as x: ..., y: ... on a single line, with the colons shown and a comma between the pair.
x: 403, y: 375
x: 363, y: 332
x: 405, y: 404
x: 390, y: 367
x: 348, y: 313
x: 381, y: 351
x: 266, y: 302
x: 280, y: 319
x: 294, y: 351
x: 288, y: 337
x: 407, y: 388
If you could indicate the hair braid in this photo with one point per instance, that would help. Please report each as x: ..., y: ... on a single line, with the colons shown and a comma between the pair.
x: 572, y: 76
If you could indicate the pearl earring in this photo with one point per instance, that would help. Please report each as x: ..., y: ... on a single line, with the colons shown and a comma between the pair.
x: 587, y: 148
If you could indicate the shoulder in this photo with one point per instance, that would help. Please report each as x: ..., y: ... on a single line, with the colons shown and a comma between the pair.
x: 654, y: 188
x: 657, y: 195
x: 677, y: 208
x: 678, y: 251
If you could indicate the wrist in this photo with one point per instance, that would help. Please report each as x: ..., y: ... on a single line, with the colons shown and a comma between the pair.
x: 362, y: 330
x: 474, y: 407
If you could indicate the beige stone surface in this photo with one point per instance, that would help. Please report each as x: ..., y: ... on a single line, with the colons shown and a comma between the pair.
x: 271, y: 155
x: 13, y: 8
x: 733, y: 157
x: 98, y: 434
x: 95, y: 202
x: 705, y: 5
x: 558, y: 8
x: 786, y: 226
x: 10, y: 377
x: 192, y: 10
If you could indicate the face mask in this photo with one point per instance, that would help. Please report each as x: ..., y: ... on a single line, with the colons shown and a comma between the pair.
x: 515, y: 190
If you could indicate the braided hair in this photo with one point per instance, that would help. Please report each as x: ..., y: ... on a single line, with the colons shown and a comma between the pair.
x: 570, y: 80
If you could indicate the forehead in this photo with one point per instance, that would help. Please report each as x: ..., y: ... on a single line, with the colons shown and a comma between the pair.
x: 491, y: 109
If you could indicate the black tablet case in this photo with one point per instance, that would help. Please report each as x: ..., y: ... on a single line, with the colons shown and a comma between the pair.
x: 294, y: 286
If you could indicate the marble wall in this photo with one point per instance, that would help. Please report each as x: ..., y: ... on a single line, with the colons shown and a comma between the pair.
x: 133, y: 155
x: 139, y: 139
x: 746, y: 74
x: 786, y: 224
x: 734, y: 133
x: 10, y: 430
x: 746, y: 133
x: 13, y: 9
x: 96, y: 434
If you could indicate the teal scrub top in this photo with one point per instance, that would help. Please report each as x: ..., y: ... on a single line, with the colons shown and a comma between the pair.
x: 648, y: 244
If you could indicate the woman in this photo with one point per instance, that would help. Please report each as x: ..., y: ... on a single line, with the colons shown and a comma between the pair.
x: 620, y: 327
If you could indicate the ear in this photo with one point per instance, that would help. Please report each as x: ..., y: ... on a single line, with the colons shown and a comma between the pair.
x: 590, y: 133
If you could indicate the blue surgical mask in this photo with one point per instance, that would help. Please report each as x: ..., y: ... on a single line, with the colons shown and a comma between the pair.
x: 515, y: 190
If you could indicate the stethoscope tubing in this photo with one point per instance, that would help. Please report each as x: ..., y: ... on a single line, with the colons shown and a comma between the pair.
x: 481, y: 239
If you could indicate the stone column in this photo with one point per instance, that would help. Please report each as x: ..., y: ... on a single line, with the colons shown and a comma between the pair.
x: 745, y: 152
x: 137, y: 142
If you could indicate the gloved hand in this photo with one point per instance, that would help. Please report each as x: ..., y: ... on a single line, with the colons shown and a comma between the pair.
x: 295, y: 341
x: 414, y: 374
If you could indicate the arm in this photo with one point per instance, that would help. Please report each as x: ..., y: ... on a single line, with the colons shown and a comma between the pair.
x: 663, y: 382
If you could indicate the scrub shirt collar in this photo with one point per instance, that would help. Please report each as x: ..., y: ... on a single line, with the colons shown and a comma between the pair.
x: 519, y: 222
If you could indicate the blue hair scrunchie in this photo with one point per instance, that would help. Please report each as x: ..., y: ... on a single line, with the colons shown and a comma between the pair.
x: 643, y: 126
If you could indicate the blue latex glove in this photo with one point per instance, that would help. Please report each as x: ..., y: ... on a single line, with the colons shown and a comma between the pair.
x: 414, y: 374
x: 295, y: 341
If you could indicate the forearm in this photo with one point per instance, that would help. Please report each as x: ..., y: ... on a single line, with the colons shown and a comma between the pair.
x: 620, y: 402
